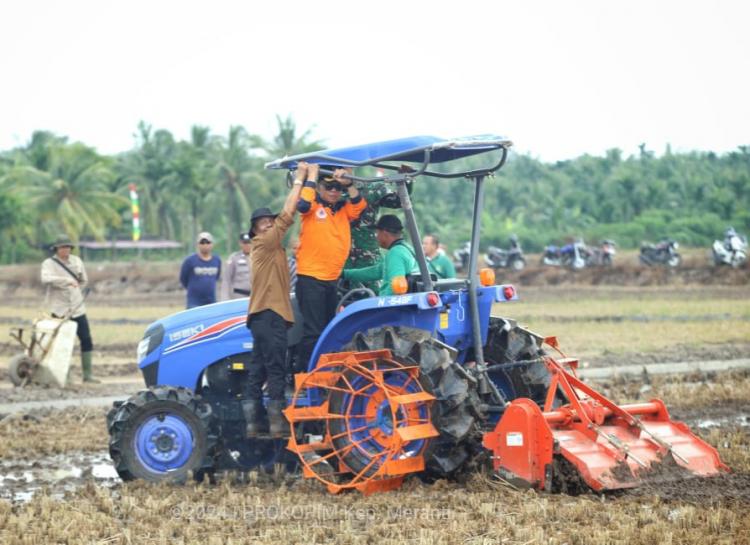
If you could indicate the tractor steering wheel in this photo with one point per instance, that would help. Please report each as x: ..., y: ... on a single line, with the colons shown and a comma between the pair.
x: 349, y: 294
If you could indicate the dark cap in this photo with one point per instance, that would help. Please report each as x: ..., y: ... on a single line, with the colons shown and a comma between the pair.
x: 257, y: 214
x: 389, y: 223
x: 245, y: 237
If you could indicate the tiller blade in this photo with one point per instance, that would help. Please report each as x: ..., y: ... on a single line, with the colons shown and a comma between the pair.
x: 610, y: 446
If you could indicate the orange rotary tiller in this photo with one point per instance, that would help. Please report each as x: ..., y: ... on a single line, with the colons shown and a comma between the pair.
x: 371, y: 421
x: 610, y: 446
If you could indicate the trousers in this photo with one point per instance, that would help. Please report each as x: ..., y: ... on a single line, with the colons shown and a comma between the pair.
x: 268, y: 363
x: 317, y: 302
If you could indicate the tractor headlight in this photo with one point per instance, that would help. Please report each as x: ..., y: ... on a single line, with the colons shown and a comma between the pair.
x: 142, y: 350
x: 151, y: 340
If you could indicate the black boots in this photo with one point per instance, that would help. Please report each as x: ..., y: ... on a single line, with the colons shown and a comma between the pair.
x: 254, y: 421
x: 253, y: 412
x: 279, y: 427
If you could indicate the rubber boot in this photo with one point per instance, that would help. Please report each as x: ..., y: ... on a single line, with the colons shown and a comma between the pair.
x: 278, y: 425
x: 252, y: 411
x: 88, y: 373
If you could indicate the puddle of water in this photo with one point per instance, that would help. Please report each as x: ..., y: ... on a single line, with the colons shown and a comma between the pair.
x: 741, y: 420
x: 58, y: 474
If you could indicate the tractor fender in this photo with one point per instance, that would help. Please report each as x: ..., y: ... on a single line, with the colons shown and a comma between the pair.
x: 449, y: 319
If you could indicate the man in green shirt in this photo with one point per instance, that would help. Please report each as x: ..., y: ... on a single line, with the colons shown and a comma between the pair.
x: 365, y: 250
x: 399, y: 258
x: 437, y: 261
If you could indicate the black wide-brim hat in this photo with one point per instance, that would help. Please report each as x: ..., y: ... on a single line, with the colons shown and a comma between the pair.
x: 257, y: 214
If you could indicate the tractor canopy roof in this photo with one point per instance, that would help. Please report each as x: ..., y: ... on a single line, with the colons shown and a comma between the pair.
x: 415, y: 149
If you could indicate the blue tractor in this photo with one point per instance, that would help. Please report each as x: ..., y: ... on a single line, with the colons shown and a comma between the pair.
x: 413, y: 383
x: 190, y: 420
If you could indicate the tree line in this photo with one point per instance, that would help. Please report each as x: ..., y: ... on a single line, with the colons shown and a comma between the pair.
x: 52, y: 186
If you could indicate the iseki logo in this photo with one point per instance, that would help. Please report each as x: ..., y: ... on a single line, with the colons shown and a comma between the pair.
x: 185, y: 333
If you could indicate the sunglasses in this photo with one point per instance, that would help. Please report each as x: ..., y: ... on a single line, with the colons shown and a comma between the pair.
x: 333, y: 186
x: 204, y: 241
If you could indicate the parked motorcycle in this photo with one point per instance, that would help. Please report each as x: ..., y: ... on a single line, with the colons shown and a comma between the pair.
x: 663, y: 253
x: 573, y: 256
x: 498, y: 258
x: 732, y: 251
x: 461, y: 257
x: 603, y: 255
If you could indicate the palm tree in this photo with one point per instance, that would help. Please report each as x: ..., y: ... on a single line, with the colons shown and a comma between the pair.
x: 236, y: 174
x: 150, y: 167
x: 288, y: 142
x: 72, y: 194
x: 192, y: 167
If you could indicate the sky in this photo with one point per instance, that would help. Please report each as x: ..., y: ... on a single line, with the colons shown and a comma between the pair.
x: 559, y: 78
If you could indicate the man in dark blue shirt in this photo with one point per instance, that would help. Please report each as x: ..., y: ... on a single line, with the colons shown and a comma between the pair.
x: 200, y: 272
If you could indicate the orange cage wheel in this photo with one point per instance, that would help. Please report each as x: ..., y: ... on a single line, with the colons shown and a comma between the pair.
x: 373, y: 420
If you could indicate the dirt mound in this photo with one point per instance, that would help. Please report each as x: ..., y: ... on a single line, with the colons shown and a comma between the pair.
x: 629, y: 275
x: 162, y: 278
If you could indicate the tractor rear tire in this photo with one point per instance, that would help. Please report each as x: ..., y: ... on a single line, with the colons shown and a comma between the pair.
x: 515, y: 355
x: 363, y: 458
x: 20, y: 368
x: 161, y: 435
x: 456, y: 410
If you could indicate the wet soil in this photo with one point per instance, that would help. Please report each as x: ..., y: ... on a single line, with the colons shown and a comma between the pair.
x: 677, y: 353
x: 723, y: 416
x: 72, y: 391
x: 679, y: 486
x: 55, y: 475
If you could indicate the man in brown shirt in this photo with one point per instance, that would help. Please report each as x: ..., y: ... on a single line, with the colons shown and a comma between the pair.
x: 270, y: 312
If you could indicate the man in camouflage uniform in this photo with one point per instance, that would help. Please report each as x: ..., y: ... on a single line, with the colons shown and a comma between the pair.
x: 365, y: 250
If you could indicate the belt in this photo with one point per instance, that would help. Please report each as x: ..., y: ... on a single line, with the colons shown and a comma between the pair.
x: 241, y: 292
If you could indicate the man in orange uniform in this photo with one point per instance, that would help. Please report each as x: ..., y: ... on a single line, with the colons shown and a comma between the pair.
x: 324, y: 243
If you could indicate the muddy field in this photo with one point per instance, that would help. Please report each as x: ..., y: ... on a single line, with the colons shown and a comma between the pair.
x: 57, y: 485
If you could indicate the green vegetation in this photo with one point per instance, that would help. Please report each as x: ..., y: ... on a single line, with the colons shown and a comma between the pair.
x: 212, y: 182
x: 691, y: 197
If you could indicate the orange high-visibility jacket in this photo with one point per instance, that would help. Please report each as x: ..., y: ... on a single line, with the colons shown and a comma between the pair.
x: 325, y: 237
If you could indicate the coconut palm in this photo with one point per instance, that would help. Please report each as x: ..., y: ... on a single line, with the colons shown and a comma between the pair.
x: 150, y: 166
x: 236, y: 174
x: 192, y: 167
x: 287, y: 140
x: 72, y: 194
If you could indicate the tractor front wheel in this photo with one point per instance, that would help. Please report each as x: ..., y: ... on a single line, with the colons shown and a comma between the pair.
x: 161, y: 434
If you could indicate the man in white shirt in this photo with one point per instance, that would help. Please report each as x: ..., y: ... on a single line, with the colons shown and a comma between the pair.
x: 64, y: 277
